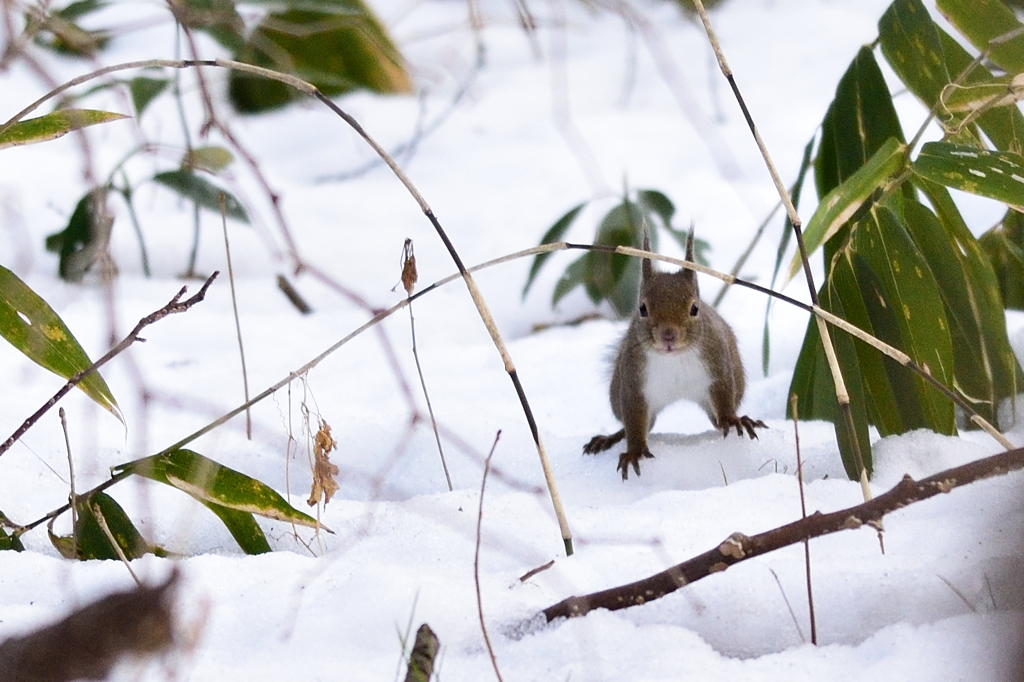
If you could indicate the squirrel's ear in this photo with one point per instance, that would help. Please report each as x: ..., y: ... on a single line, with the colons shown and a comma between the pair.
x: 689, y: 245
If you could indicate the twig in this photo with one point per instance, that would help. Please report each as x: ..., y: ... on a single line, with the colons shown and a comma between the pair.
x: 409, y: 277
x: 738, y: 547
x: 101, y: 520
x: 789, y: 607
x: 176, y: 305
x: 842, y: 395
x: 234, y: 308
x: 793, y: 400
x: 476, y: 559
x: 72, y: 498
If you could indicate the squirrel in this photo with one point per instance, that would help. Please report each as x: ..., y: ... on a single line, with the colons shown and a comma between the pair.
x: 676, y: 347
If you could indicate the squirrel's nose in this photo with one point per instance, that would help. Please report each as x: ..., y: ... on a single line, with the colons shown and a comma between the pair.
x: 668, y: 334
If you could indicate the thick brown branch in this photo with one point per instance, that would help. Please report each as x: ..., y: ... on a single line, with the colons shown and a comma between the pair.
x: 176, y: 305
x: 738, y: 547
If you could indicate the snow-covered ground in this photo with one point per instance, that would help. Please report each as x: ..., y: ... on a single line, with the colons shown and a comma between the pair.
x: 942, y: 603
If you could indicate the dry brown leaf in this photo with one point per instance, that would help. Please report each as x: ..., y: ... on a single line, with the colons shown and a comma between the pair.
x: 324, y: 472
x: 409, y: 274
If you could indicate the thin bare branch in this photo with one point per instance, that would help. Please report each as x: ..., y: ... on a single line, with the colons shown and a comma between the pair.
x: 176, y: 305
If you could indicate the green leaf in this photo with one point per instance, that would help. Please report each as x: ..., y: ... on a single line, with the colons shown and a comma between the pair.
x: 144, y: 90
x: 29, y: 324
x: 653, y: 201
x: 574, y: 276
x: 1004, y: 125
x: 83, y: 240
x: 1004, y: 247
x: 982, y: 21
x: 213, y: 483
x: 97, y: 514
x: 860, y: 120
x: 907, y: 312
x: 212, y: 159
x: 910, y: 42
x: 202, y: 192
x: 52, y: 126
x: 992, y: 174
x: 9, y: 541
x: 337, y: 51
x: 846, y: 200
x: 554, y: 234
x: 217, y: 18
x: 985, y: 368
x: 243, y: 528
x: 615, y: 276
x: 813, y: 385
x: 1001, y: 92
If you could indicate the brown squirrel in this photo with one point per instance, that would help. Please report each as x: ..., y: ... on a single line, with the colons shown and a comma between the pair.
x: 676, y: 347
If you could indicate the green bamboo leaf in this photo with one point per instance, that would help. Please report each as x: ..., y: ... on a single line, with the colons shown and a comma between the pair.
x: 852, y: 282
x: 813, y: 385
x: 97, y: 514
x: 243, y: 528
x: 844, y: 201
x: 981, y: 22
x: 337, y: 48
x: 574, y: 276
x: 203, y: 192
x: 144, y: 90
x: 213, y: 483
x: 1001, y: 92
x: 653, y: 201
x: 554, y: 234
x: 910, y: 42
x: 1002, y: 125
x: 860, y: 120
x: 52, y: 126
x: 615, y: 276
x: 1004, y: 246
x: 907, y: 295
x: 29, y: 324
x: 992, y: 174
x: 979, y: 308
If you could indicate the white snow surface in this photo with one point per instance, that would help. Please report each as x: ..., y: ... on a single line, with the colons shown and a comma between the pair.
x: 943, y: 602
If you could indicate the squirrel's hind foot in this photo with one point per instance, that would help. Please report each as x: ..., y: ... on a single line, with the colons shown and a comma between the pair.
x: 742, y: 424
x: 601, y: 443
x: 627, y: 459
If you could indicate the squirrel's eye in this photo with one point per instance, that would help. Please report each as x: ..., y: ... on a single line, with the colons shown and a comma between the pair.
x: 694, y: 310
x: 643, y: 310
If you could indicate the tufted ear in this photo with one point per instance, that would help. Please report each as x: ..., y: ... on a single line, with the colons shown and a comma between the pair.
x: 647, y: 268
x: 689, y: 245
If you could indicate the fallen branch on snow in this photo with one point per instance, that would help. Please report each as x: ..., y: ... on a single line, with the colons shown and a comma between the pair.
x: 739, y: 547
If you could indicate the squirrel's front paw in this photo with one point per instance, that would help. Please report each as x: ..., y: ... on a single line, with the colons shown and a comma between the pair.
x: 742, y: 424
x: 601, y: 443
x: 627, y: 459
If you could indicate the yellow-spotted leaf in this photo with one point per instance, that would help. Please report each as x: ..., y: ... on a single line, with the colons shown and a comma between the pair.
x: 213, y: 483
x: 52, y: 126
x: 992, y: 174
x: 29, y: 324
x: 842, y: 203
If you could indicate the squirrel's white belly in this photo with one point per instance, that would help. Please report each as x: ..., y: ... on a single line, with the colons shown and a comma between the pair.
x: 674, y: 376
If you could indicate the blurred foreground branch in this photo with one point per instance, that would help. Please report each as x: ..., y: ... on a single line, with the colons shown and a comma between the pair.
x: 87, y: 644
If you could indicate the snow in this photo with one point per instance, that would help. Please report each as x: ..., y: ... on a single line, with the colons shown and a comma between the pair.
x: 942, y: 603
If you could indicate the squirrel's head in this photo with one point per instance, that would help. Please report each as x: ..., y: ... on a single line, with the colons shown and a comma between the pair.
x: 669, y: 306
